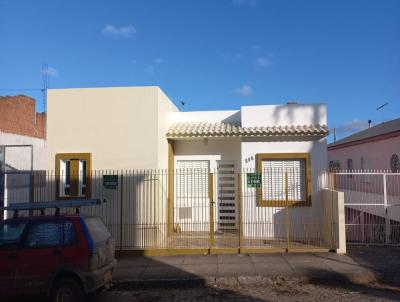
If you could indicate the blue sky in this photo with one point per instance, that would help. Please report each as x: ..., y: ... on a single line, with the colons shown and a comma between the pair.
x: 213, y: 54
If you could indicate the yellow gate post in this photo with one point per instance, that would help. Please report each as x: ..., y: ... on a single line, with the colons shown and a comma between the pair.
x: 287, y: 212
x: 211, y: 197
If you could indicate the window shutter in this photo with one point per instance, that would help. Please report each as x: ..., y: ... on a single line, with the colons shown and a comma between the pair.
x: 192, y: 178
x: 273, y: 179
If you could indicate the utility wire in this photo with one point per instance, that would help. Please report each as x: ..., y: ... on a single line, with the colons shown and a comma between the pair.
x: 24, y: 89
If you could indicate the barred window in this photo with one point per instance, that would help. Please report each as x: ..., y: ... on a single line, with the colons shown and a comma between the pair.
x: 273, y: 179
x: 192, y: 178
x: 273, y: 168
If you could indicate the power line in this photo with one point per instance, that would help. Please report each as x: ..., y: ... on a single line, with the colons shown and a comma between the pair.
x: 19, y: 89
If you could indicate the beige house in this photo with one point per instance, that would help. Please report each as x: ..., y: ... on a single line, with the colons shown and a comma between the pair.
x: 217, y: 171
x: 122, y: 128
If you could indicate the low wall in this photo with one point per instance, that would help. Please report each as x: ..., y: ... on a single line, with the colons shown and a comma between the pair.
x: 333, y: 230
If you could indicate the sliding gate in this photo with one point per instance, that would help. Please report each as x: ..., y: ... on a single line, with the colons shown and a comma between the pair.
x: 221, y: 211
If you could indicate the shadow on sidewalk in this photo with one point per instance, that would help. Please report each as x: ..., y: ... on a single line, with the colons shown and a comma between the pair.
x: 382, y: 261
x: 368, y: 287
x: 151, y: 289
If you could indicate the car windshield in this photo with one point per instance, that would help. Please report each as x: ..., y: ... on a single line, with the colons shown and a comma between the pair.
x: 10, y: 232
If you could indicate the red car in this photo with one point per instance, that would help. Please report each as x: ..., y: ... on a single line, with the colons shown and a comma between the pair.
x: 61, y: 256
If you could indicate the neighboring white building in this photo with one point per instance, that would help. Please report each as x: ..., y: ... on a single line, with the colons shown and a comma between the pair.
x: 22, y: 147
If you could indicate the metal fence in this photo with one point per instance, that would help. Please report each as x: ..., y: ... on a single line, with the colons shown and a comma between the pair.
x: 16, y: 167
x: 372, y: 205
x: 201, y: 210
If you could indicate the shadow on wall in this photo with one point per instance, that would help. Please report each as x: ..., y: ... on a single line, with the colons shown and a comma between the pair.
x: 233, y: 119
x: 139, y: 201
x: 288, y: 111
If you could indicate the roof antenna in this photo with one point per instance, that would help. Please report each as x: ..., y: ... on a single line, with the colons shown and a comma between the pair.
x: 381, y: 109
x: 45, y: 79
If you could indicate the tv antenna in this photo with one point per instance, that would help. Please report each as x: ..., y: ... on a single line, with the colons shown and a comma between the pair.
x: 45, y: 79
x: 183, y: 103
x: 380, y: 108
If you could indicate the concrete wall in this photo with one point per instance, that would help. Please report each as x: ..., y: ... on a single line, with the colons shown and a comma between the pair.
x: 333, y: 228
x: 226, y: 116
x: 20, y: 158
x: 272, y: 218
x: 276, y: 115
x: 122, y: 127
x: 376, y: 154
x: 212, y: 150
x: 166, y: 109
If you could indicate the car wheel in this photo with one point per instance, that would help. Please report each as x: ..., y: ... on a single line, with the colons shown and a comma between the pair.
x: 67, y: 290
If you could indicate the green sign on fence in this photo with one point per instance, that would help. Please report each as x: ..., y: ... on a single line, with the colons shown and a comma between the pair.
x: 110, y: 181
x: 254, y: 180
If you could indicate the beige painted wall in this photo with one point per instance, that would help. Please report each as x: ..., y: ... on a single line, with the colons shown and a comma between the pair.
x: 119, y: 126
x: 166, y: 110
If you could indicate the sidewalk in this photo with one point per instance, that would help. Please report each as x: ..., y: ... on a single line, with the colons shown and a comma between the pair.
x: 237, y: 268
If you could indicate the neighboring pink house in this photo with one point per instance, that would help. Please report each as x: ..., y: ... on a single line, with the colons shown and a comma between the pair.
x: 377, y: 147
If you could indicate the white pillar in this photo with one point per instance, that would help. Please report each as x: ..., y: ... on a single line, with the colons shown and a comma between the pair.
x: 341, y: 223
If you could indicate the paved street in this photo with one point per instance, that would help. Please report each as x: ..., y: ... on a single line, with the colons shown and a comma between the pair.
x: 365, y: 274
x: 278, y: 290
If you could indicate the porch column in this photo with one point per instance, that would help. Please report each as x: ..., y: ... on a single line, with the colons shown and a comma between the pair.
x: 171, y: 176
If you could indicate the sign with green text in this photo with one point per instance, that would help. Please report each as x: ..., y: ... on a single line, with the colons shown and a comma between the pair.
x: 110, y: 182
x: 254, y: 180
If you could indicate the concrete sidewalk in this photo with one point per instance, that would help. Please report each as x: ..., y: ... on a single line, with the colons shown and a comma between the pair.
x: 242, y: 268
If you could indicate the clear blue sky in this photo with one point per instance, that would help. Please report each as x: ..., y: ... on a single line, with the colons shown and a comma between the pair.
x: 213, y: 54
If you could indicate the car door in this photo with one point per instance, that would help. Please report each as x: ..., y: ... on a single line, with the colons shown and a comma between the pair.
x: 40, y: 256
x: 75, y: 251
x: 10, y: 234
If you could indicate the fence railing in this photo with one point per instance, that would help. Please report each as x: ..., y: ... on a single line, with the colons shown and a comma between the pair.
x: 188, y: 209
x: 372, y: 205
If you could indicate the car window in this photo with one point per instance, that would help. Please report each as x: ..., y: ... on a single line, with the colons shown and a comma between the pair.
x: 44, y: 234
x: 11, y: 232
x: 97, y: 229
x: 69, y: 233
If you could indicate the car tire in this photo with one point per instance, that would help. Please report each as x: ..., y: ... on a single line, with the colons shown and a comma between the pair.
x: 67, y: 290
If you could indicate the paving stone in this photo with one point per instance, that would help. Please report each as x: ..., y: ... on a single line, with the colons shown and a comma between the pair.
x: 273, y: 269
x: 167, y: 260
x: 127, y: 261
x: 268, y: 258
x: 201, y: 270
x: 162, y: 272
x: 233, y: 258
x: 196, y: 259
x: 236, y: 269
x: 128, y: 273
